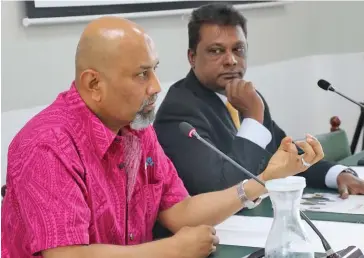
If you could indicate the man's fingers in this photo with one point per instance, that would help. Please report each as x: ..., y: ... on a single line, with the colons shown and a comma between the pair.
x: 316, y: 146
x: 228, y: 90
x: 213, y: 249
x: 309, y: 155
x: 292, y: 148
x: 235, y: 88
x: 246, y: 86
x: 215, y: 240
x: 343, y: 191
x: 353, y: 191
x: 213, y: 230
x: 286, y: 144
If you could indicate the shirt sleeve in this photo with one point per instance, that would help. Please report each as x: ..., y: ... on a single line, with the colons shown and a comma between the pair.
x: 45, y: 206
x: 255, y: 132
x: 174, y: 190
x: 332, y: 174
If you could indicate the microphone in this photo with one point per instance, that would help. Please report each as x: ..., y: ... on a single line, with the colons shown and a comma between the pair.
x: 189, y: 131
x: 325, y: 85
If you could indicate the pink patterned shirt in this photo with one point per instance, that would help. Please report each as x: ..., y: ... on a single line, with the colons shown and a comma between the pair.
x: 72, y: 181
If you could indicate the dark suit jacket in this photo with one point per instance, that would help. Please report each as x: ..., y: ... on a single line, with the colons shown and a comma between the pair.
x: 201, y: 169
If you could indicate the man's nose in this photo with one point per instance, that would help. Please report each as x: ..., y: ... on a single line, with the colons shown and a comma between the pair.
x: 155, y: 86
x: 230, y: 59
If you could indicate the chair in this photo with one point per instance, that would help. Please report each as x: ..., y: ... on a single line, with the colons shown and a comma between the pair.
x: 335, y: 143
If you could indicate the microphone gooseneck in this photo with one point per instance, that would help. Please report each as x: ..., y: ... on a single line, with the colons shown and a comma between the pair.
x: 189, y: 131
x: 325, y: 85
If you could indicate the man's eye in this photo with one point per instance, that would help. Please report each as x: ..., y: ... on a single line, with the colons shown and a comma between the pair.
x: 143, y: 74
x: 241, y: 50
x: 215, y: 51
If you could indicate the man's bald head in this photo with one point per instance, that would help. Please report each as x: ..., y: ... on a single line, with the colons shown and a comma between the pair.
x: 115, y: 72
x: 103, y: 40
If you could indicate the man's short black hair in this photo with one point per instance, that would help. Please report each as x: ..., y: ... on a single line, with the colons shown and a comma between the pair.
x: 216, y: 14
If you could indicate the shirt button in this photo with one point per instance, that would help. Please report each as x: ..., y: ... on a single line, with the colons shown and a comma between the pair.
x: 121, y: 165
x: 131, y: 236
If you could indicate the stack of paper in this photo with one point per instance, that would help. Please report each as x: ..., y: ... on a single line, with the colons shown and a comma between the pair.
x: 253, y: 231
x: 326, y: 202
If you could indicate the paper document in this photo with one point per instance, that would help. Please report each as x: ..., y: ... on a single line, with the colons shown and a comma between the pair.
x: 360, y: 171
x: 253, y: 231
x: 327, y: 202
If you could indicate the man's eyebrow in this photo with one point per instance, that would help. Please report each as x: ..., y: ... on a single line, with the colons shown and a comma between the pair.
x: 148, y: 66
x: 215, y: 44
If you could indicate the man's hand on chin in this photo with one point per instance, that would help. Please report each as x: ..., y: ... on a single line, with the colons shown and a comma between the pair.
x: 349, y: 184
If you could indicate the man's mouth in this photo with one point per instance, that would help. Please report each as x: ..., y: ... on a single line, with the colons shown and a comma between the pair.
x: 149, y: 107
x: 231, y: 75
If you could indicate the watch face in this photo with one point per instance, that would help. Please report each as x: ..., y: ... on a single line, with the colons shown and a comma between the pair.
x: 249, y: 204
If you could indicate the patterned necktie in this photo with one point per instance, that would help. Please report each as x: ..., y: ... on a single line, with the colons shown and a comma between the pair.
x: 234, y: 115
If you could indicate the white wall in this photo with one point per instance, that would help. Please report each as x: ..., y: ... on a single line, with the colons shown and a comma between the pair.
x: 298, y: 105
x: 37, y: 62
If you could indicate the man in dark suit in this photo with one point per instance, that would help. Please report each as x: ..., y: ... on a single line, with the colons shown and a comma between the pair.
x: 227, y: 111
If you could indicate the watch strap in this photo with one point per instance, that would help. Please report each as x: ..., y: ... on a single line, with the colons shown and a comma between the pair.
x: 350, y: 171
x: 244, y: 199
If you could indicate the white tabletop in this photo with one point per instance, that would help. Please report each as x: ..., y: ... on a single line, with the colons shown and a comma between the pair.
x: 253, y: 231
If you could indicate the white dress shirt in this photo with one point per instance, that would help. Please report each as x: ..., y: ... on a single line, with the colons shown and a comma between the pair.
x: 254, y: 131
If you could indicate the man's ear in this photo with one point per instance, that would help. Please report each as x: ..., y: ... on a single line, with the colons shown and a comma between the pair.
x: 90, y: 81
x: 191, y: 54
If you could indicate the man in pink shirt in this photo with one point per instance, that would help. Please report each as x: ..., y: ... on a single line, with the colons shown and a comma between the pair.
x: 87, y: 178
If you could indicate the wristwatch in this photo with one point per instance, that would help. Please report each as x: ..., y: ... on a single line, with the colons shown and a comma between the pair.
x: 244, y: 199
x: 350, y: 171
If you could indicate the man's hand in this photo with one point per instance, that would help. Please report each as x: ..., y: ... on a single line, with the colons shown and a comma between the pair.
x: 286, y: 161
x: 349, y: 184
x: 196, y: 242
x: 243, y: 96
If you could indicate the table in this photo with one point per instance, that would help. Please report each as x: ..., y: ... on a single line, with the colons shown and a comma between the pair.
x: 265, y: 210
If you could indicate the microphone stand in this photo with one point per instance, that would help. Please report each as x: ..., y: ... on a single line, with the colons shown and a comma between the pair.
x: 359, y: 128
x: 360, y: 124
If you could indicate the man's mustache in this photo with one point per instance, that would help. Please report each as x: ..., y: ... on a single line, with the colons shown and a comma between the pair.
x: 149, y: 101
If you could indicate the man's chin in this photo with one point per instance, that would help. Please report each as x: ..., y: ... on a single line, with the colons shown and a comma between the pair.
x: 143, y: 120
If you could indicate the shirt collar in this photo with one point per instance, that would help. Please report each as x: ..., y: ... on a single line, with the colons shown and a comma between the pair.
x: 100, y: 135
x: 222, y: 97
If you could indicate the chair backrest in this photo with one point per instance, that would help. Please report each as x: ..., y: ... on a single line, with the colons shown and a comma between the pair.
x: 335, y: 145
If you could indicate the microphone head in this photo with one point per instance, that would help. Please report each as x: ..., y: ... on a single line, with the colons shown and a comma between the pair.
x: 187, y: 129
x: 325, y: 85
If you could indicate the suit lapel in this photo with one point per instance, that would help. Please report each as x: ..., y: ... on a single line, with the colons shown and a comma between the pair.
x: 211, y: 99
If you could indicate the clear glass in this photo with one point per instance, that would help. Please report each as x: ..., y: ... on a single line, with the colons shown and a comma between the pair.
x: 287, y: 237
